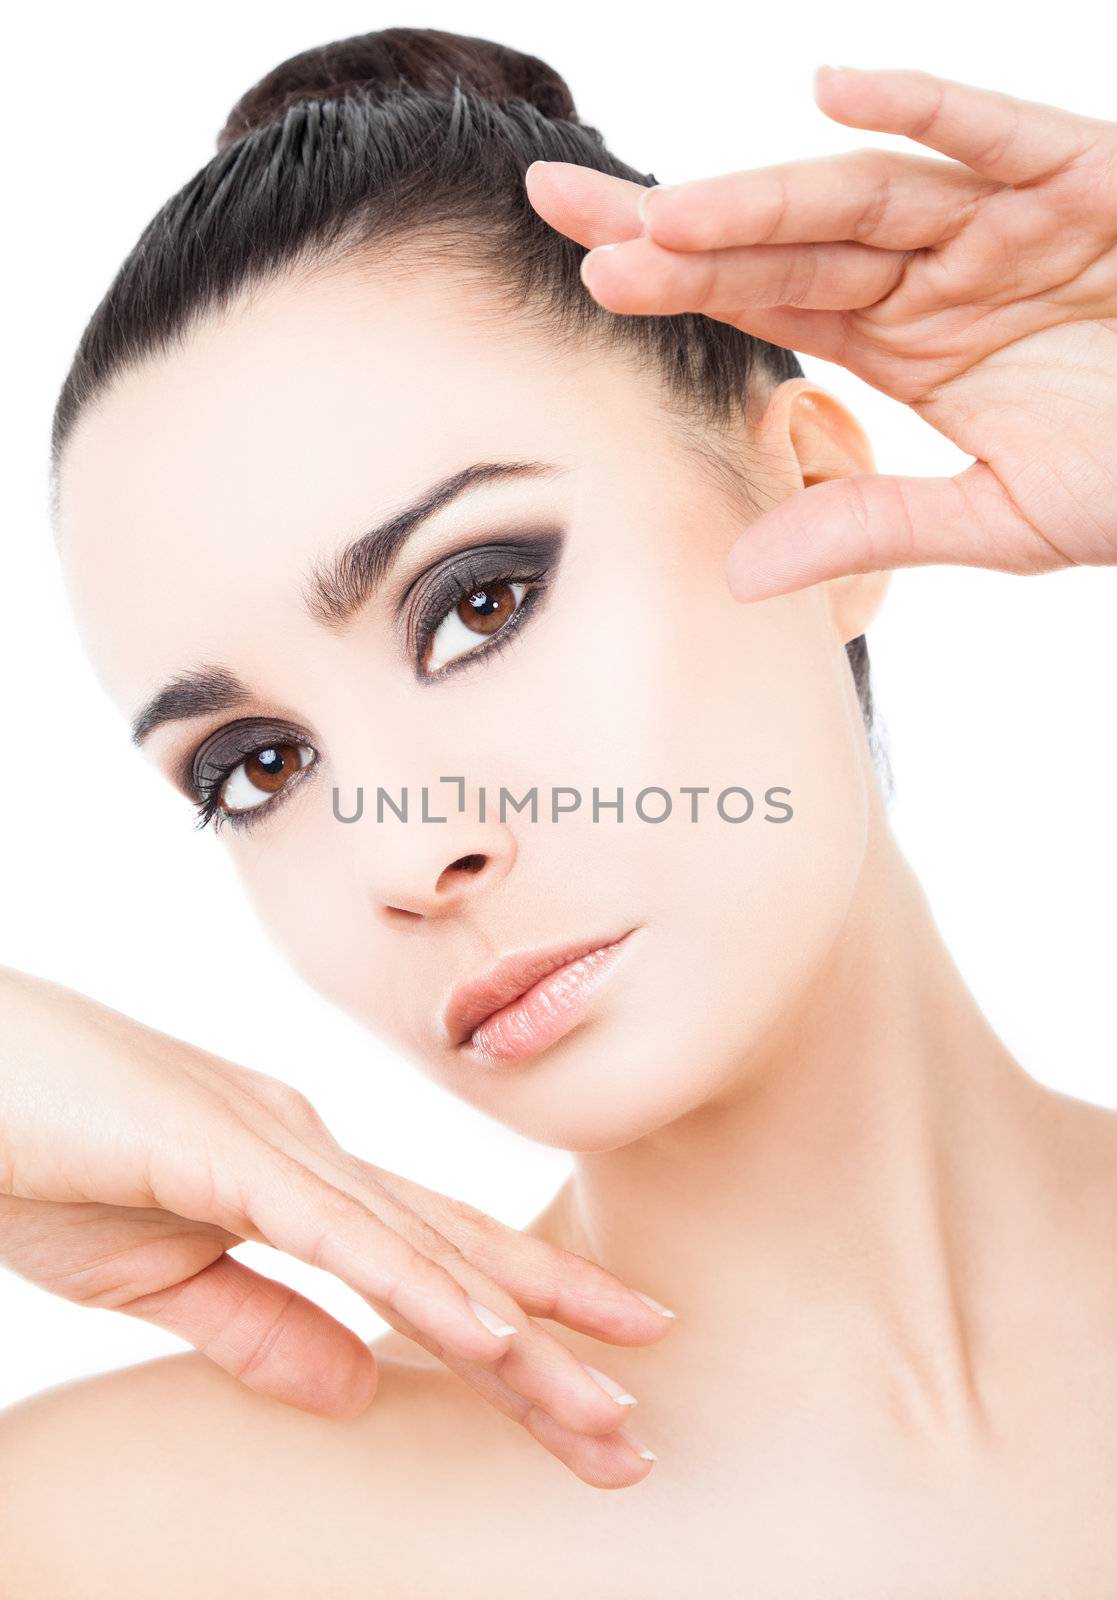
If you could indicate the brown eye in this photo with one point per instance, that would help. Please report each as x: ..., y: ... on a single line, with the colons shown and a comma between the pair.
x: 261, y: 774
x: 486, y: 610
x: 481, y: 612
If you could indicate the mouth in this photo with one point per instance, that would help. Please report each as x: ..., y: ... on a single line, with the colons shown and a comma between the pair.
x: 530, y: 999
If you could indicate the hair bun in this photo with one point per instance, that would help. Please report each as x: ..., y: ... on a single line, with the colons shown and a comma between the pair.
x: 426, y: 59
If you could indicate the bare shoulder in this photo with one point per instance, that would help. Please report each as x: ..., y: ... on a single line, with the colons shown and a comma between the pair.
x: 1083, y: 1144
x: 172, y: 1478
x: 1087, y: 1140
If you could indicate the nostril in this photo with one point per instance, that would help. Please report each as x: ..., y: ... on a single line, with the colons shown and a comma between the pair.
x: 474, y: 863
x: 422, y: 901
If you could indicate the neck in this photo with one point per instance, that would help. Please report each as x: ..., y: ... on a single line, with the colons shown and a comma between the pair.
x: 843, y: 1205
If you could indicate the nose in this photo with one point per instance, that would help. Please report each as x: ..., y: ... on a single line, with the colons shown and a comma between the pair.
x: 435, y: 870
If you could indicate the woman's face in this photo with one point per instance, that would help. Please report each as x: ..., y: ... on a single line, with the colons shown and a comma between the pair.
x: 208, y: 491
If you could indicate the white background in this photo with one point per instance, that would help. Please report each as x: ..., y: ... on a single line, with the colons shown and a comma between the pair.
x: 996, y: 691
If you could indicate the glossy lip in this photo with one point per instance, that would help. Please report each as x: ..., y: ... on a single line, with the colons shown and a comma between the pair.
x: 473, y: 1003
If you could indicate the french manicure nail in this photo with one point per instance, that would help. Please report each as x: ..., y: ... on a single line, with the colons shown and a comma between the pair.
x: 642, y: 203
x: 641, y: 1449
x: 494, y: 1323
x: 655, y: 1305
x: 611, y: 1386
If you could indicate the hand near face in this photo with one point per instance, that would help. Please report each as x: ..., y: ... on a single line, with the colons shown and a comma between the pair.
x: 981, y: 291
x: 132, y: 1162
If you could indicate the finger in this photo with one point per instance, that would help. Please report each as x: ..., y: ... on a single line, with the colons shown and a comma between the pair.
x: 606, y: 1461
x: 614, y: 1462
x: 535, y: 1364
x: 544, y: 1279
x: 874, y: 523
x: 640, y: 277
x: 271, y: 1338
x: 590, y: 207
x: 882, y: 198
x: 543, y: 1373
x: 414, y: 1278
x: 997, y: 135
x: 260, y: 1192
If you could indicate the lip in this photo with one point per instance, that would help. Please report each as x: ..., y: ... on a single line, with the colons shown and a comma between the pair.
x: 530, y: 998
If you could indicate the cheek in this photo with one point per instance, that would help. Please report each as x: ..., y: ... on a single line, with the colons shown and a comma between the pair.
x: 758, y: 699
x: 309, y: 881
x: 675, y: 685
x: 739, y: 915
x: 764, y: 898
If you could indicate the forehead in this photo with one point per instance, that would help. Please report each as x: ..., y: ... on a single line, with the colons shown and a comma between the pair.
x: 280, y: 428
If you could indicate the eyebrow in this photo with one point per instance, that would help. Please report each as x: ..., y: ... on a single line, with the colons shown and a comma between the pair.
x: 335, y: 591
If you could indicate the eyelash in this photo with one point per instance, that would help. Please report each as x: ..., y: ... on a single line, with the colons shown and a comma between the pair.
x: 463, y: 577
x: 480, y: 570
x: 208, y: 807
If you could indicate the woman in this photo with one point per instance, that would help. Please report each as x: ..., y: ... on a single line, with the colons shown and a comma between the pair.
x: 348, y: 426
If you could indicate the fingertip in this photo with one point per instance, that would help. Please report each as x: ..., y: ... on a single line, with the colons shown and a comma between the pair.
x: 736, y: 577
x: 586, y: 269
x: 591, y: 256
x: 355, y: 1382
x: 656, y: 1305
x: 827, y: 70
x: 646, y: 209
x: 747, y: 577
x: 643, y: 1451
x: 362, y: 1389
x: 329, y: 1390
x: 492, y: 1320
x: 533, y: 167
x: 620, y: 1323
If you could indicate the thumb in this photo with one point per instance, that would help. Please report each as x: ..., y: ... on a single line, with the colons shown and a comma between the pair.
x: 872, y: 523
x: 267, y: 1335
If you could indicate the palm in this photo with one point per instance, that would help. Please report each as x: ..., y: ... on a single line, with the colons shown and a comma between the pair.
x: 981, y: 291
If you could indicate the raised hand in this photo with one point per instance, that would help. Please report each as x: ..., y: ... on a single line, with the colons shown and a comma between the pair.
x: 981, y: 291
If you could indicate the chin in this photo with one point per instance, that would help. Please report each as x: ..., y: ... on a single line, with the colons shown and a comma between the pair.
x: 615, y: 1079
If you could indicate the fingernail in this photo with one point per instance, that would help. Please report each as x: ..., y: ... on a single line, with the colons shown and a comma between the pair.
x: 494, y: 1323
x: 641, y: 1449
x: 611, y: 1386
x: 642, y: 202
x: 655, y: 1305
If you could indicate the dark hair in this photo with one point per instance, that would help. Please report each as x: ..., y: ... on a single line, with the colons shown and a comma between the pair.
x: 410, y: 144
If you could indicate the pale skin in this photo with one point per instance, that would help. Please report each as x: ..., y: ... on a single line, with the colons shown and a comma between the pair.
x: 890, y: 1248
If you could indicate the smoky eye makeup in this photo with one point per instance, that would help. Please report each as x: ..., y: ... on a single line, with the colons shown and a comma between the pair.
x: 277, y: 748
x: 466, y: 605
x: 473, y: 600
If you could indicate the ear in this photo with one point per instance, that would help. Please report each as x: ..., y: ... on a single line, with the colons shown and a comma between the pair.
x: 826, y: 441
